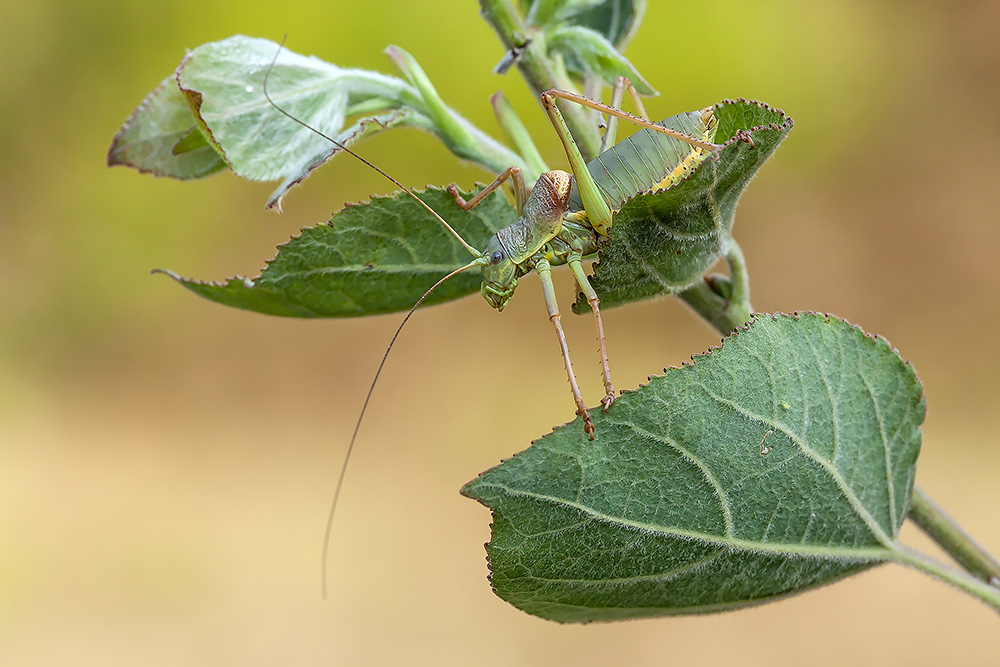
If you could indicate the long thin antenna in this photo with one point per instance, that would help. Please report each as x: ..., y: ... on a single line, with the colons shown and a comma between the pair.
x: 364, y: 408
x: 267, y: 96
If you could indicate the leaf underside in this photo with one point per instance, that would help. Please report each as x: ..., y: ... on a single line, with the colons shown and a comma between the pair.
x: 665, y: 241
x: 162, y: 137
x: 212, y: 114
x: 371, y: 258
x: 676, y: 508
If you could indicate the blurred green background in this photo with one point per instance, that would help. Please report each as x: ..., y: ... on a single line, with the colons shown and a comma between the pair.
x: 166, y: 464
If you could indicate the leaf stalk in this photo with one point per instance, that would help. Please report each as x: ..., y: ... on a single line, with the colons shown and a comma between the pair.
x: 953, y: 539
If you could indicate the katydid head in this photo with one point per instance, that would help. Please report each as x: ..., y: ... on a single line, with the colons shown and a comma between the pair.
x: 539, y: 222
x: 499, y: 274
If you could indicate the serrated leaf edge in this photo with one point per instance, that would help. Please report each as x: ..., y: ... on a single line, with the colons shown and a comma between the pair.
x: 889, y: 546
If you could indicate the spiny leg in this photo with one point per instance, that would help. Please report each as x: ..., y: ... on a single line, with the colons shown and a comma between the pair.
x: 520, y: 191
x: 599, y: 214
x: 581, y: 278
x: 621, y: 84
x: 549, y: 292
x: 604, y: 108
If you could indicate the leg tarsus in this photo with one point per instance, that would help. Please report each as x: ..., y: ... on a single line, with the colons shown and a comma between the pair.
x: 588, y: 425
x: 746, y: 137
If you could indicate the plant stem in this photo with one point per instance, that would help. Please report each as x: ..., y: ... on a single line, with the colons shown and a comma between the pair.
x: 949, y: 535
x: 538, y: 71
x: 974, y: 587
x: 725, y: 312
x: 460, y: 136
x: 723, y: 303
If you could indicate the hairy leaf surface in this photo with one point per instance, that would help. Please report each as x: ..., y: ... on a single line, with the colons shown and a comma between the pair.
x: 214, y: 110
x: 779, y: 462
x: 375, y: 257
x: 663, y: 242
x: 615, y: 20
x: 588, y: 35
x: 162, y: 137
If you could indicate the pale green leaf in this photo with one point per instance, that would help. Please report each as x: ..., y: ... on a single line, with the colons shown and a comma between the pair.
x: 162, y: 137
x: 587, y: 52
x: 224, y: 85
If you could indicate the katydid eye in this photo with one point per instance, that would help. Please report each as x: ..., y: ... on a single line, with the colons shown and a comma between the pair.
x: 496, y: 257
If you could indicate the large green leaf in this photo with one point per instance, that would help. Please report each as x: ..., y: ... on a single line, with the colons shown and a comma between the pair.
x: 779, y: 462
x: 376, y: 257
x: 663, y: 242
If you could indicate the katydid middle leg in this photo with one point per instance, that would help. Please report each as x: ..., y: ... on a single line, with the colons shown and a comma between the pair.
x: 513, y: 173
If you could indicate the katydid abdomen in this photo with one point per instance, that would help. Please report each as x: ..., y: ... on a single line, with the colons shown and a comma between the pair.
x: 649, y: 161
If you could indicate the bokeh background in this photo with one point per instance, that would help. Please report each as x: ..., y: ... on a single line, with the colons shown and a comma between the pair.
x: 166, y: 464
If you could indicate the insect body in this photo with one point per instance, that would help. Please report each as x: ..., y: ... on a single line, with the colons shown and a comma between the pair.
x: 567, y: 217
x: 649, y: 161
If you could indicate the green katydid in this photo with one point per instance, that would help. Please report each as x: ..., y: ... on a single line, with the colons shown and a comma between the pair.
x: 563, y: 219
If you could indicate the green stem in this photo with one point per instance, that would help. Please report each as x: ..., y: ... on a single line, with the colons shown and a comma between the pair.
x: 460, y: 136
x: 538, y: 71
x: 949, y: 535
x: 723, y: 302
x: 974, y: 587
x: 518, y: 136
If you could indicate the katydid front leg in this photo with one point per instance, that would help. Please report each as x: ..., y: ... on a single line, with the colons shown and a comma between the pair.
x: 549, y: 292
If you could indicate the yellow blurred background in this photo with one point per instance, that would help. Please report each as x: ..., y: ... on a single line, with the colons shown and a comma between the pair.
x: 166, y: 464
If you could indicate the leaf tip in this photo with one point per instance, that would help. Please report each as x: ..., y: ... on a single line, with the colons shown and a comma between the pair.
x: 166, y: 272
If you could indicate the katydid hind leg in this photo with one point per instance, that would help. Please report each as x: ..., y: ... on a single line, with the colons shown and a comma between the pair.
x: 611, y: 126
x: 604, y: 108
x: 549, y: 292
x: 640, y: 108
x: 599, y: 214
x: 581, y: 278
x: 618, y: 89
